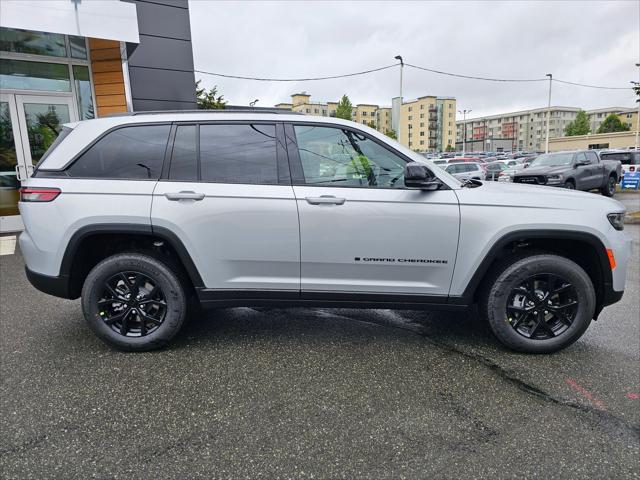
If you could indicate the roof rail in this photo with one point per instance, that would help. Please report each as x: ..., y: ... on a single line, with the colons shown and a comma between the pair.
x: 231, y: 109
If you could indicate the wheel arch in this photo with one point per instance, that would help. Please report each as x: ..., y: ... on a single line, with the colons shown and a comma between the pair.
x: 92, y: 243
x: 584, y: 248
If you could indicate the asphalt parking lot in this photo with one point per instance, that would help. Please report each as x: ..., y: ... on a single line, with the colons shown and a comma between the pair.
x: 314, y: 394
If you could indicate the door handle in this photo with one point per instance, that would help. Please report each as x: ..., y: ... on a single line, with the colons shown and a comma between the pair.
x: 325, y: 200
x: 175, y: 196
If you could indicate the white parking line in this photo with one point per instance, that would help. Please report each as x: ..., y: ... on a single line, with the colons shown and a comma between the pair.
x: 8, y: 245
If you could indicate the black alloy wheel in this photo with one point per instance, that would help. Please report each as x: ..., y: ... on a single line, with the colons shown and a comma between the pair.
x: 132, y: 304
x: 611, y: 186
x: 544, y: 306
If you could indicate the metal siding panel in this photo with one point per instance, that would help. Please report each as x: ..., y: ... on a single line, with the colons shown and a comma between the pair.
x: 162, y: 53
x: 163, y: 85
x: 163, y: 20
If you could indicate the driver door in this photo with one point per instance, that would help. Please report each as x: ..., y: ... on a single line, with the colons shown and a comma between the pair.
x: 361, y: 229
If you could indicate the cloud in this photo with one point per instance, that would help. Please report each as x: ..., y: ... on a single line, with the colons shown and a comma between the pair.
x: 591, y: 42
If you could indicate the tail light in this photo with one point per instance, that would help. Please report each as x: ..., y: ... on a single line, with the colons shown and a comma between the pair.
x: 37, y: 194
x: 632, y: 168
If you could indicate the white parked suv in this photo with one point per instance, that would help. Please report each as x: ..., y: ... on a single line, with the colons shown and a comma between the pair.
x: 140, y: 214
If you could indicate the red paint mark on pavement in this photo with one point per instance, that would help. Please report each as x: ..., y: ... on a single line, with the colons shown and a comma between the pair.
x: 586, y: 394
x: 633, y: 396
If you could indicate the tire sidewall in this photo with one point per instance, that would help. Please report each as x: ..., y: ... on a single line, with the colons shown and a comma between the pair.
x: 155, y: 270
x: 514, y: 275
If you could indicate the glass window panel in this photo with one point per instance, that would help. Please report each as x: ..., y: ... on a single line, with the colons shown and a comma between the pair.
x: 9, y: 184
x: 332, y: 156
x: 184, y: 162
x: 23, y: 75
x: 78, y: 47
x: 135, y: 152
x: 44, y: 122
x: 83, y: 92
x: 238, y: 154
x: 34, y: 43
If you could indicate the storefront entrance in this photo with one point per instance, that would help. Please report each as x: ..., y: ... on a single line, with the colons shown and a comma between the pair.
x: 28, y: 126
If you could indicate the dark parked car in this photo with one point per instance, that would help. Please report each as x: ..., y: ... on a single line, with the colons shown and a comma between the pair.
x: 630, y: 159
x: 580, y: 170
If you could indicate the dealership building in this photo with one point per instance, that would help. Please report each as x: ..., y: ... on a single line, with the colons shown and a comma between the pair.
x: 67, y: 60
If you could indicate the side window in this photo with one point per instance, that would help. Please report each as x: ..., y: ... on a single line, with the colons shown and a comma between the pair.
x: 581, y: 158
x: 238, y: 154
x: 134, y: 153
x: 592, y: 157
x: 184, y: 160
x: 340, y: 157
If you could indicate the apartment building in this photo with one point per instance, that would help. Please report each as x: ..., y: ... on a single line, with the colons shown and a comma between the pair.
x: 427, y: 124
x: 597, y: 116
x: 526, y: 129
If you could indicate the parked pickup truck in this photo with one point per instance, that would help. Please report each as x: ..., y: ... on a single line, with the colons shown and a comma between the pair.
x: 579, y: 170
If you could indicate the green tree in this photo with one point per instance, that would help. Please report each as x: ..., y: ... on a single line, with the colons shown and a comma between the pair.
x: 391, y: 134
x: 449, y: 148
x: 580, y: 126
x: 371, y: 124
x: 612, y: 124
x: 344, y: 108
x: 209, y: 100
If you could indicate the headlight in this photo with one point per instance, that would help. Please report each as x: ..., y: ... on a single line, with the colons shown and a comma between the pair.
x: 554, y: 178
x: 616, y: 220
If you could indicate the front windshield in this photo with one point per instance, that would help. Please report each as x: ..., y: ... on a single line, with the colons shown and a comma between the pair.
x: 553, y: 160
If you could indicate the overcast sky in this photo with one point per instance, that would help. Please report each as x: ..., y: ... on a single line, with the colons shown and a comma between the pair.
x: 581, y: 41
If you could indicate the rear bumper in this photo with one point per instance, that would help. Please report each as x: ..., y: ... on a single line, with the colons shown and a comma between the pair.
x: 57, y: 286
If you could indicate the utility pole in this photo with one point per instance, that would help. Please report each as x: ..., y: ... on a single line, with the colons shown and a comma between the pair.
x: 638, y: 122
x: 398, y: 57
x: 546, y: 145
x: 464, y: 129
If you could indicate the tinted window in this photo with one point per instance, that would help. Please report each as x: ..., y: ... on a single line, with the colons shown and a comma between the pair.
x: 238, y: 154
x: 184, y: 161
x: 332, y: 156
x: 592, y: 157
x: 626, y: 158
x: 135, y: 152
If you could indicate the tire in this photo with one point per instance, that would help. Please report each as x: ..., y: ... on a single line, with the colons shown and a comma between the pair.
x: 570, y: 185
x: 146, y: 323
x: 610, y: 189
x: 513, y: 316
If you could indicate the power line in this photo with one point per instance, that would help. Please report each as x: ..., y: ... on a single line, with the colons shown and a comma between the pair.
x: 477, y: 78
x: 591, y: 86
x: 431, y: 70
x: 297, y: 79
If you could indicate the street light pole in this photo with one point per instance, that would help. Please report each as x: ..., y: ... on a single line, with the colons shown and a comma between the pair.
x: 638, y: 122
x: 546, y: 145
x: 398, y: 57
x: 464, y: 129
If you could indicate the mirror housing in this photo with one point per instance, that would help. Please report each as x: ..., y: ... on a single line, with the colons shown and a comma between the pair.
x: 580, y: 164
x: 419, y: 176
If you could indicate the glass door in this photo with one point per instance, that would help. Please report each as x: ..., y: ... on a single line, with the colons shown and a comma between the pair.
x: 30, y: 124
x: 11, y: 155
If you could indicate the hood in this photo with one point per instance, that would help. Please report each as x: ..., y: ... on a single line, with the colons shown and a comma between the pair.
x: 544, y: 170
x: 536, y: 196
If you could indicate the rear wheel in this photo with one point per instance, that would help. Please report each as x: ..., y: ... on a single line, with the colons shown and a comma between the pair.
x: 540, y: 303
x: 134, y: 302
x: 610, y: 189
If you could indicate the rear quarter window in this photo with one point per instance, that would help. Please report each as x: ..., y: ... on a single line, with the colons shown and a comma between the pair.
x: 134, y: 153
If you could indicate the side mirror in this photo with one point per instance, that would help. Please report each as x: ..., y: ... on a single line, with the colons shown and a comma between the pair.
x: 419, y: 176
x: 526, y: 165
x: 580, y: 164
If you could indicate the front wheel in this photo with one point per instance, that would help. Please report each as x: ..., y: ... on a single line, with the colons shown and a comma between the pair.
x: 570, y: 185
x: 134, y: 302
x: 610, y: 189
x: 540, y: 303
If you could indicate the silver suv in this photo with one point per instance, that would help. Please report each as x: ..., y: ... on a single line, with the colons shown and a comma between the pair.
x: 147, y: 215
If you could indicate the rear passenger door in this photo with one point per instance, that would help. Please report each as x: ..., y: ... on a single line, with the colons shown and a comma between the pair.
x: 226, y: 194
